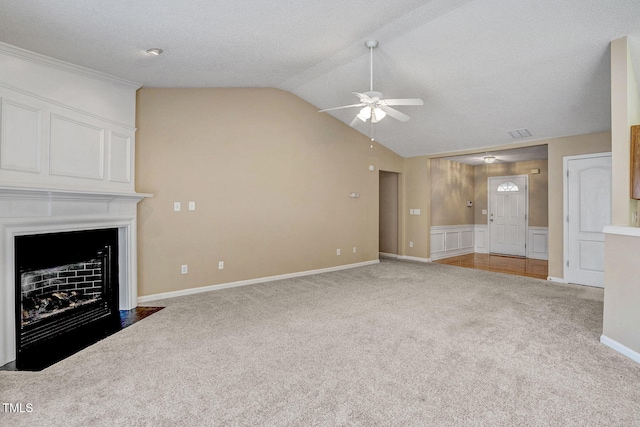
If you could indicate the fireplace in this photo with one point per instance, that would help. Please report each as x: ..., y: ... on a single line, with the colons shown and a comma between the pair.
x: 66, y: 292
x: 26, y: 213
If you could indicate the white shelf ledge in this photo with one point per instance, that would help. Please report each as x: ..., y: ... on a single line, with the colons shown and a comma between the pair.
x: 622, y: 231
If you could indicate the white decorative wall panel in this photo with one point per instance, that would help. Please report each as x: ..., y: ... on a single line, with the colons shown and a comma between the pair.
x: 437, y: 242
x: 538, y: 242
x: 481, y: 239
x: 120, y: 158
x: 451, y: 240
x: 20, y: 137
x: 64, y: 127
x: 466, y: 239
x: 77, y: 149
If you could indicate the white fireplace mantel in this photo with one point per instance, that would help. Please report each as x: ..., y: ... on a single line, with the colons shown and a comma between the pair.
x: 25, y: 211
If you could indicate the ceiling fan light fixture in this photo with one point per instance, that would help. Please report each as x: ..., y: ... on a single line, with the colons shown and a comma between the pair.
x: 377, y: 115
x: 375, y: 106
x: 365, y: 114
x: 489, y: 159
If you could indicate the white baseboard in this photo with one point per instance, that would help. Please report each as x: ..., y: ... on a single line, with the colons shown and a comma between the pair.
x: 192, y: 291
x: 556, y: 279
x: 413, y: 258
x: 625, y: 351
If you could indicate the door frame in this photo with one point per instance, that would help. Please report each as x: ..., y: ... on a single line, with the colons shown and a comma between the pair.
x: 565, y: 204
x: 526, y: 203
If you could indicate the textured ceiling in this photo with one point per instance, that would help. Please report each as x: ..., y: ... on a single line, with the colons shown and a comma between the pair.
x: 536, y: 152
x: 483, y: 67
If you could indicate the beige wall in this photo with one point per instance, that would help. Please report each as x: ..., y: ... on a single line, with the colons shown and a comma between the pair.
x: 622, y: 291
x: 538, y: 191
x: 416, y: 196
x: 271, y: 180
x: 452, y: 184
x: 558, y: 148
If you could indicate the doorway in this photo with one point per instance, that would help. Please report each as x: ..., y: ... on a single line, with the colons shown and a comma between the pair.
x: 508, y: 204
x: 587, y: 210
x: 388, y: 215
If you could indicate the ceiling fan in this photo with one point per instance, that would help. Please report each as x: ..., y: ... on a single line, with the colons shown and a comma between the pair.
x: 375, y: 107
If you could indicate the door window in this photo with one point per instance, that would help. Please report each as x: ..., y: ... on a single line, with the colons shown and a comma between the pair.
x: 508, y: 186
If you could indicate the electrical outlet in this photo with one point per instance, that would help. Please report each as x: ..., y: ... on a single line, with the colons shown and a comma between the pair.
x: 192, y: 206
x: 184, y: 269
x: 220, y: 265
x: 337, y: 251
x: 176, y: 206
x: 354, y: 249
x: 410, y: 244
x: 635, y: 217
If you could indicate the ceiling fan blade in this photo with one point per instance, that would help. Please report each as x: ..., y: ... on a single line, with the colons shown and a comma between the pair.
x: 363, y: 97
x: 340, y: 108
x: 395, y: 113
x: 355, y: 121
x: 406, y: 101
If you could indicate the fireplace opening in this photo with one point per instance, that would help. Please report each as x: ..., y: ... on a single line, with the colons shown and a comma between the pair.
x: 66, y: 293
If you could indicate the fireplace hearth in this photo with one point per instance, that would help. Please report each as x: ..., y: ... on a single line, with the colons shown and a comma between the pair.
x: 67, y: 288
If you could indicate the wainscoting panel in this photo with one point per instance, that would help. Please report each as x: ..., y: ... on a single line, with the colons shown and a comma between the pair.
x: 538, y: 243
x: 451, y: 240
x: 77, y: 149
x: 481, y: 239
x: 20, y: 140
x: 120, y: 158
x: 437, y: 242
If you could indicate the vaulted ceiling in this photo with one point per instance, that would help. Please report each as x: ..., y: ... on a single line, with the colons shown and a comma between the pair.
x: 483, y: 67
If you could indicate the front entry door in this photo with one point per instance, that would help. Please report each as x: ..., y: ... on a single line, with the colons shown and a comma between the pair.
x: 508, y: 215
x: 588, y: 211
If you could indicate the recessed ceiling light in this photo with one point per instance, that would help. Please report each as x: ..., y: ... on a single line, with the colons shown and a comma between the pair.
x: 154, y: 51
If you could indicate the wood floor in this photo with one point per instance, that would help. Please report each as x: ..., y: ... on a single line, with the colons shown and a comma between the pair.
x: 502, y: 264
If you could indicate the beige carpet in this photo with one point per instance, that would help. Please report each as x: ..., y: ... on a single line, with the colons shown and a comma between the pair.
x: 397, y: 343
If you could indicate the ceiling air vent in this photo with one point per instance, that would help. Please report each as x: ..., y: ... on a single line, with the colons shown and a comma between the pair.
x: 519, y: 133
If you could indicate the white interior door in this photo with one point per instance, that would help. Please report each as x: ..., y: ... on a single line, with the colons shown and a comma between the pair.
x: 508, y: 215
x: 587, y: 212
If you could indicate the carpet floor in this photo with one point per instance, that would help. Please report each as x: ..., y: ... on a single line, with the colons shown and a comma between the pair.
x: 396, y: 343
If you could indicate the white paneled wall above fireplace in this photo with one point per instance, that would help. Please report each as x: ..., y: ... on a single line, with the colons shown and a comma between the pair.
x: 64, y: 127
